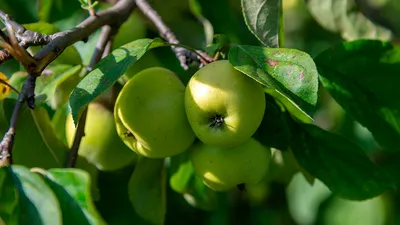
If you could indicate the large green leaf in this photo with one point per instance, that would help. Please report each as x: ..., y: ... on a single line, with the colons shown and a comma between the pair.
x: 146, y: 189
x: 108, y: 71
x: 290, y: 71
x: 362, y: 76
x: 343, y: 16
x: 34, y: 138
x: 34, y: 200
x: 263, y: 18
x: 73, y: 190
x: 341, y: 164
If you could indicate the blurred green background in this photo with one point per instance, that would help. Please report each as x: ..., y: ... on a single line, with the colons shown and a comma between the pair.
x: 286, y: 197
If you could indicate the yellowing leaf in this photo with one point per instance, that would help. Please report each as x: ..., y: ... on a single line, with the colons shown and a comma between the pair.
x: 4, y: 89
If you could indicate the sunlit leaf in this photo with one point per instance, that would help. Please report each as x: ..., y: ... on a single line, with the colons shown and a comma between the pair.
x: 290, y: 71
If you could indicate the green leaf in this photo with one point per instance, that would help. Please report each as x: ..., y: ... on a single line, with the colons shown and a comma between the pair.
x: 276, y: 129
x: 343, y: 16
x: 37, y: 204
x: 263, y: 18
x: 146, y: 189
x: 35, y: 138
x: 108, y: 71
x: 360, y: 76
x: 199, y: 195
x: 182, y: 171
x: 341, y: 164
x: 58, y: 83
x: 72, y: 188
x: 290, y: 71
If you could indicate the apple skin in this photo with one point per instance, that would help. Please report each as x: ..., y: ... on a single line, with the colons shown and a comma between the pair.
x: 224, y: 106
x: 222, y: 169
x: 101, y: 144
x: 150, y: 114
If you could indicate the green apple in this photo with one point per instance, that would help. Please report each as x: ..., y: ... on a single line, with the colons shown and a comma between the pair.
x: 101, y: 144
x: 224, y: 106
x: 225, y: 168
x: 150, y: 114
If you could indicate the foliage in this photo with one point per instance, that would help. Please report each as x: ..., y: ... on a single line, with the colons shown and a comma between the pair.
x: 329, y: 71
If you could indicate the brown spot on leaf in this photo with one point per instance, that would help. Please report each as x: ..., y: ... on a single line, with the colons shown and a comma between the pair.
x: 301, y: 76
x: 272, y: 62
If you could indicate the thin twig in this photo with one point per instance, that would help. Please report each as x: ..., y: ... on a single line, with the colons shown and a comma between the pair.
x: 9, y: 85
x: 184, y: 56
x: 104, y: 40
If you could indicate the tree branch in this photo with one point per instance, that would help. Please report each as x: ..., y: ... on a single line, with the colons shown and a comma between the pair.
x: 184, y: 56
x: 25, y: 37
x: 101, y: 51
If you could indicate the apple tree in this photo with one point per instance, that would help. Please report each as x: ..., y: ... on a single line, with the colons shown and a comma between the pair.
x: 199, y: 112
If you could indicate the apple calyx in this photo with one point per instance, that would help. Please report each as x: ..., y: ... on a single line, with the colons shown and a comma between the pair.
x: 217, y: 121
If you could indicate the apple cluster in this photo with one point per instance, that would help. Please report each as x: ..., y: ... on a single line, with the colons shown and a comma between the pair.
x: 157, y: 116
x: 213, y: 118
